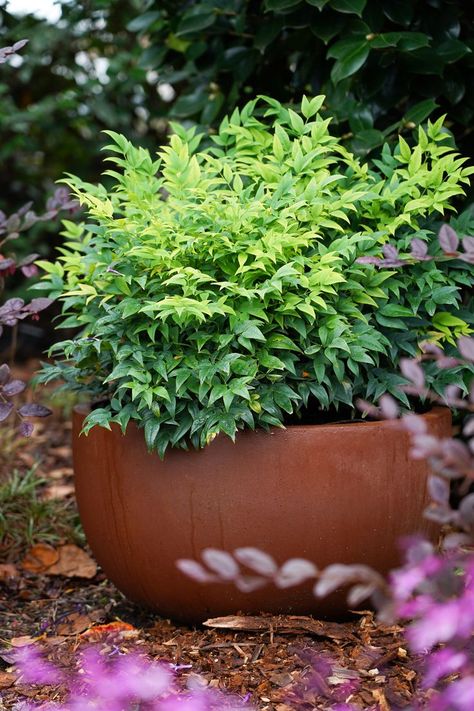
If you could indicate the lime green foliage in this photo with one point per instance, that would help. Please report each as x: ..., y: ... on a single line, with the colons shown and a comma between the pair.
x: 26, y: 518
x: 225, y: 293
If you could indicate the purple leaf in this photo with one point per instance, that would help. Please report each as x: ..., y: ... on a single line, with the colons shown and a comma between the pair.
x: 468, y: 429
x: 294, y: 572
x: 4, y: 374
x: 453, y: 458
x: 431, y: 348
x: 249, y: 583
x: 468, y: 244
x: 13, y: 223
x: 30, y: 270
x: 32, y: 409
x: 256, y: 560
x: 38, y: 304
x: 390, y: 252
x: 466, y: 509
x: 28, y: 260
x: 367, y: 408
x: 389, y: 407
x: 439, y: 490
x: 419, y: 250
x: 19, y: 45
x: 448, y: 240
x: 392, y: 258
x: 413, y: 372
x: 417, y: 549
x: 454, y: 540
x: 195, y: 570
x: 26, y: 429
x: 424, y: 446
x: 339, y: 575
x: 221, y: 563
x: 29, y: 220
x: 358, y: 594
x: 369, y: 260
x: 447, y: 362
x: 5, y: 409
x: 6, y: 264
x: 24, y: 209
x: 439, y: 515
x: 11, y: 306
x: 466, y: 348
x: 452, y: 393
x: 14, y: 387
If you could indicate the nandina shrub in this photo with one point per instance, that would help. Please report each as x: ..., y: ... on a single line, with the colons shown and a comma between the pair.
x: 222, y: 288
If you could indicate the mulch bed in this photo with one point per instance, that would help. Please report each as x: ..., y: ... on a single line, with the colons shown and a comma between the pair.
x: 268, y: 660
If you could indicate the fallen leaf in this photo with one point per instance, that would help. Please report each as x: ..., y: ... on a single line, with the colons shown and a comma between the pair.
x: 63, y: 452
x: 118, y: 628
x: 39, y: 558
x: 73, y: 562
x: 8, y: 571
x: 281, y: 679
x: 7, y: 679
x: 22, y: 641
x: 74, y: 624
x: 58, y: 491
x: 60, y: 473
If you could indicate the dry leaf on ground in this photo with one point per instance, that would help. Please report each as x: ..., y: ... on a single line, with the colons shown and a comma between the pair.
x: 7, y: 679
x: 115, y: 629
x: 22, y: 641
x: 39, y: 558
x: 59, y: 491
x: 8, y: 571
x: 73, y: 562
x: 74, y: 623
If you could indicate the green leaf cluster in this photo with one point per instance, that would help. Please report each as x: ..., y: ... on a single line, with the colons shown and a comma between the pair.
x: 218, y: 289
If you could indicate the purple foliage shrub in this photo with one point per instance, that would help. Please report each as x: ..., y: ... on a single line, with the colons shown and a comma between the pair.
x: 15, y: 309
x: 434, y: 589
x: 118, y: 682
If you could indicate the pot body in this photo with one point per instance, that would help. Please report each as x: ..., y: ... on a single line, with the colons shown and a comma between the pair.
x: 339, y: 493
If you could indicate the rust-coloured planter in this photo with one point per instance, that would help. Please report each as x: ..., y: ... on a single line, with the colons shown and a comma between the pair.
x: 331, y: 493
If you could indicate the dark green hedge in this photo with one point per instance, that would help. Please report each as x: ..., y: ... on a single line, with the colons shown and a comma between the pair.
x: 382, y: 63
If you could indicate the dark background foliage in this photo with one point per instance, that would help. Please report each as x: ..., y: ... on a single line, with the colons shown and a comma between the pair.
x: 383, y: 64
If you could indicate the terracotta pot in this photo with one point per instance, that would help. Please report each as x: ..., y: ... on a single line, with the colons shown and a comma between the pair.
x: 331, y: 493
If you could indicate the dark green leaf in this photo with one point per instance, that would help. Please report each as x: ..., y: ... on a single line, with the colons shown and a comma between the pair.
x: 351, y: 6
x: 420, y: 111
x: 143, y: 22
x: 350, y: 60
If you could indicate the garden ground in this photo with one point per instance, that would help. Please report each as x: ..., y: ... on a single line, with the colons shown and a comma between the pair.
x: 52, y: 592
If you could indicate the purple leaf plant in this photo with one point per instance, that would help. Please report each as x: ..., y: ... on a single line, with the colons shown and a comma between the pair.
x: 433, y: 591
x: 15, y: 309
x: 112, y: 681
x: 448, y: 240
